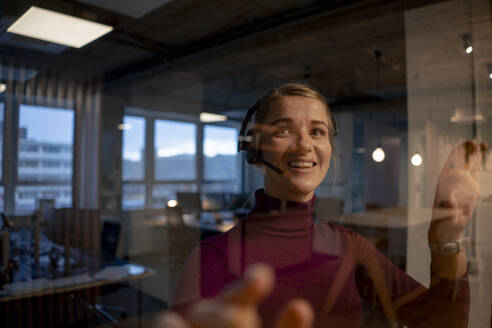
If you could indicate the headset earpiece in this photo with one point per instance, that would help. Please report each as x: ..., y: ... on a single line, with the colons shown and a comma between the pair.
x: 251, y: 147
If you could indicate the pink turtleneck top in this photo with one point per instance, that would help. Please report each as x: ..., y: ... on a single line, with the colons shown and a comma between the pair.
x: 334, y: 268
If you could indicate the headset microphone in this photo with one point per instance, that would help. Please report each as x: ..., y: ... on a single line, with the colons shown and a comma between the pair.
x: 271, y: 166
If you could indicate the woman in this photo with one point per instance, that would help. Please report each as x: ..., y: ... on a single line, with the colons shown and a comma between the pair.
x: 329, y: 271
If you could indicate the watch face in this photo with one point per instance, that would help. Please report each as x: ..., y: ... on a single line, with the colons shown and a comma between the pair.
x: 450, y: 249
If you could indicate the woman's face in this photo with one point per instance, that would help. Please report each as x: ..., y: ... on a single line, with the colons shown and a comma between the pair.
x: 295, y: 137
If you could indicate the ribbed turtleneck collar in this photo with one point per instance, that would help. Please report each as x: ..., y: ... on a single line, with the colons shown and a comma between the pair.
x: 280, y: 217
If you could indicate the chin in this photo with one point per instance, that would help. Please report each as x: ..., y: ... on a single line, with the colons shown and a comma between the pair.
x: 303, y: 189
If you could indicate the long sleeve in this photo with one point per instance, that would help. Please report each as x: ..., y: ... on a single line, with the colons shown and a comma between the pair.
x: 204, y: 275
x: 444, y: 304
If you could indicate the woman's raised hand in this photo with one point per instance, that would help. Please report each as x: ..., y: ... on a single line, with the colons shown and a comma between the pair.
x: 237, y: 306
x: 457, y: 192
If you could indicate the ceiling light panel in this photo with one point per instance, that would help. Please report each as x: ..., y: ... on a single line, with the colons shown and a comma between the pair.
x: 210, y: 117
x: 59, y: 28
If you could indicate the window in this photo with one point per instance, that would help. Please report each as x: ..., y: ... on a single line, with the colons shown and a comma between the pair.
x: 29, y: 148
x: 175, y: 150
x: 45, y: 169
x: 221, y: 167
x: 151, y: 178
x: 133, y: 148
x: 133, y: 162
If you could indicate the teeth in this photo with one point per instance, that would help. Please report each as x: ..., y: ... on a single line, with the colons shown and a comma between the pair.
x: 301, y: 164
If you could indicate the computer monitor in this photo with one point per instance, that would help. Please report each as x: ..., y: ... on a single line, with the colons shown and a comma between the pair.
x: 189, y: 202
x: 236, y: 201
x: 213, y: 202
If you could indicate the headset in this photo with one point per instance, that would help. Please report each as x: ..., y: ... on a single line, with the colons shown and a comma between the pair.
x: 246, y: 140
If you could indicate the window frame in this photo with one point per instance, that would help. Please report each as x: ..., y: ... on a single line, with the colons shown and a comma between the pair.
x: 149, y: 180
x: 9, y: 178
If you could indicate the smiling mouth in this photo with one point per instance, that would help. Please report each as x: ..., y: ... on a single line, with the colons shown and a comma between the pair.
x: 301, y: 164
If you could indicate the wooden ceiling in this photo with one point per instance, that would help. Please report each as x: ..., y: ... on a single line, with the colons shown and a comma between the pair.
x: 225, y: 53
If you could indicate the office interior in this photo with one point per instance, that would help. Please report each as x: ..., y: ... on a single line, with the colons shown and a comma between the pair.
x: 109, y: 153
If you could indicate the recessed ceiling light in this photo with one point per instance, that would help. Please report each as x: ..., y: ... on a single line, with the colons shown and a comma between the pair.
x: 210, y: 117
x: 59, y: 28
x: 124, y: 126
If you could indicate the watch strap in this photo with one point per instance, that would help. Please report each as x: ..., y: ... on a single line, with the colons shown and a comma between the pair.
x: 452, y: 247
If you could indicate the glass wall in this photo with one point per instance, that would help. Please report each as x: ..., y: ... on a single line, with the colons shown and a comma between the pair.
x: 119, y: 162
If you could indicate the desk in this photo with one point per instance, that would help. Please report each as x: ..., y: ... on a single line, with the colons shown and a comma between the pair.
x: 207, y: 222
x: 43, y: 286
x: 67, y: 300
x: 37, y: 288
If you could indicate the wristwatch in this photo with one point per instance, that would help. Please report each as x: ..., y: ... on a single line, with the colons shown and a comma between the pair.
x: 452, y: 247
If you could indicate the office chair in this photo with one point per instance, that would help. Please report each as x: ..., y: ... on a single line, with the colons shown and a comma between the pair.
x: 109, y: 244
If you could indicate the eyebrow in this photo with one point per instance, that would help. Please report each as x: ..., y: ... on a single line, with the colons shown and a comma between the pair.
x: 289, y: 120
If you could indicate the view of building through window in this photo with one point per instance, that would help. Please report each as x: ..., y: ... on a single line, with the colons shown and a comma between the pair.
x: 45, y: 156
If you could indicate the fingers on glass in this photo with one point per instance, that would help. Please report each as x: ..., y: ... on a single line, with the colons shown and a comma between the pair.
x: 296, y: 314
x: 257, y: 284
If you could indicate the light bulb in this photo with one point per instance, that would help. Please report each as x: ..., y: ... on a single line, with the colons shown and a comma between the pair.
x: 469, y: 49
x: 172, y: 203
x: 416, y: 159
x: 378, y: 155
x: 490, y: 75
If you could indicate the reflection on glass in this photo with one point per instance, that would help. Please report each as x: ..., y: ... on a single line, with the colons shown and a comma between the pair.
x: 162, y: 193
x: 219, y: 148
x: 133, y: 196
x: 133, y: 147
x: 174, y: 150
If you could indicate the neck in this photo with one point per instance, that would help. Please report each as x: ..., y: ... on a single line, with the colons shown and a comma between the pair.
x: 289, y: 196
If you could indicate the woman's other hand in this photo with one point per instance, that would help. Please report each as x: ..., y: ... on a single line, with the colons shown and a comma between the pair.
x: 237, y: 306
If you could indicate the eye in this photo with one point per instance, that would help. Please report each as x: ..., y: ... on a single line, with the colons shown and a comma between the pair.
x: 317, y: 132
x: 283, y: 132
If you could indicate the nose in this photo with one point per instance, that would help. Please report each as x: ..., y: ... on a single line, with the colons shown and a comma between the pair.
x: 304, y: 143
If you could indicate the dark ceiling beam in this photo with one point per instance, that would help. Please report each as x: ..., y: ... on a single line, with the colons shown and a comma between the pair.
x: 252, y: 28
x: 227, y: 38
